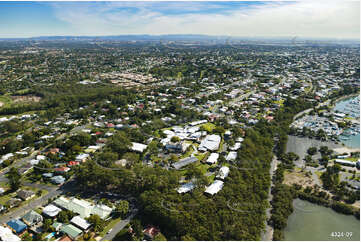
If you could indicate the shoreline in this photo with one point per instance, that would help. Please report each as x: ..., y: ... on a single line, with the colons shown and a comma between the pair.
x: 346, y: 97
x: 346, y: 149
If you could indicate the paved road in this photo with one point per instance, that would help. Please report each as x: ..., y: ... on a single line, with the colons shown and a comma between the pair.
x: 310, y: 109
x: 119, y: 226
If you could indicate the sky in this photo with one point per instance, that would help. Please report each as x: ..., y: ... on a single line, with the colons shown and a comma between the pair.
x: 305, y: 19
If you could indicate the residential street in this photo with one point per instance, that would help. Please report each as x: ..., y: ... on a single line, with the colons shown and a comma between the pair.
x: 119, y: 226
x: 52, y: 193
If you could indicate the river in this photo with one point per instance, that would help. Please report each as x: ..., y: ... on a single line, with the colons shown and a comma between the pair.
x: 313, y: 222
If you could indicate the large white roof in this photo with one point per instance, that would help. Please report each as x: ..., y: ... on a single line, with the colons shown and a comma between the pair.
x: 223, y: 172
x: 211, y: 142
x: 138, y: 147
x: 7, y: 235
x: 231, y: 155
x: 186, y: 187
x: 236, y: 146
x: 213, y: 158
x: 51, y: 210
x: 215, y: 187
x: 80, y: 222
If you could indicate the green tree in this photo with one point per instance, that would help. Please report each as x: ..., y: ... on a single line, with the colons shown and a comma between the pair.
x: 63, y: 217
x: 312, y: 150
x: 122, y: 208
x: 14, y: 179
x: 175, y: 139
x: 119, y: 143
x: 137, y: 228
x: 47, y: 225
x: 97, y: 222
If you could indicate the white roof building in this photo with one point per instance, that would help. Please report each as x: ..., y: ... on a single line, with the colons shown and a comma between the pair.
x: 231, y: 156
x: 7, y: 156
x: 186, y: 188
x: 40, y: 157
x: 345, y: 162
x: 81, y: 157
x: 83, y: 208
x: 212, y: 159
x: 198, y: 122
x: 138, y: 147
x: 102, y: 210
x: 80, y: 222
x: 51, y: 210
x: 223, y: 172
x: 34, y: 161
x: 215, y: 187
x: 236, y: 146
x: 7, y: 235
x: 211, y: 142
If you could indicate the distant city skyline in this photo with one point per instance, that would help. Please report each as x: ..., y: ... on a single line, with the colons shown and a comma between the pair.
x: 306, y: 19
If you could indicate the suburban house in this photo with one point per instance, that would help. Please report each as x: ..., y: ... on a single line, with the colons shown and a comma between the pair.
x: 213, y: 158
x: 82, y: 157
x: 179, y: 147
x: 25, y: 194
x: 51, y: 211
x: 57, y: 180
x: 138, y: 147
x: 184, y: 162
x: 223, y: 172
x: 16, y: 226
x: 151, y: 232
x: 210, y: 142
x: 32, y: 218
x: 214, y: 188
x: 186, y: 187
x: 231, y: 156
x: 7, y: 235
x: 71, y: 231
x: 13, y: 202
x: 80, y: 223
x: 62, y: 169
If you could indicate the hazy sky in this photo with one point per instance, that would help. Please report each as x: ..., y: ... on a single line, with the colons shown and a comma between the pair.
x: 325, y: 19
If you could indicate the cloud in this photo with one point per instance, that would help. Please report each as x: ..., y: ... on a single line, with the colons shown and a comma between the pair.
x: 270, y: 19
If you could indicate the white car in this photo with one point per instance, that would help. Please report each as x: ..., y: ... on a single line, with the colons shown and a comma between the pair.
x: 110, y: 230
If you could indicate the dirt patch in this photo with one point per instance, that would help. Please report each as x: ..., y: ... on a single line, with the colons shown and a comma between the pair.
x: 17, y: 99
x: 298, y: 177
